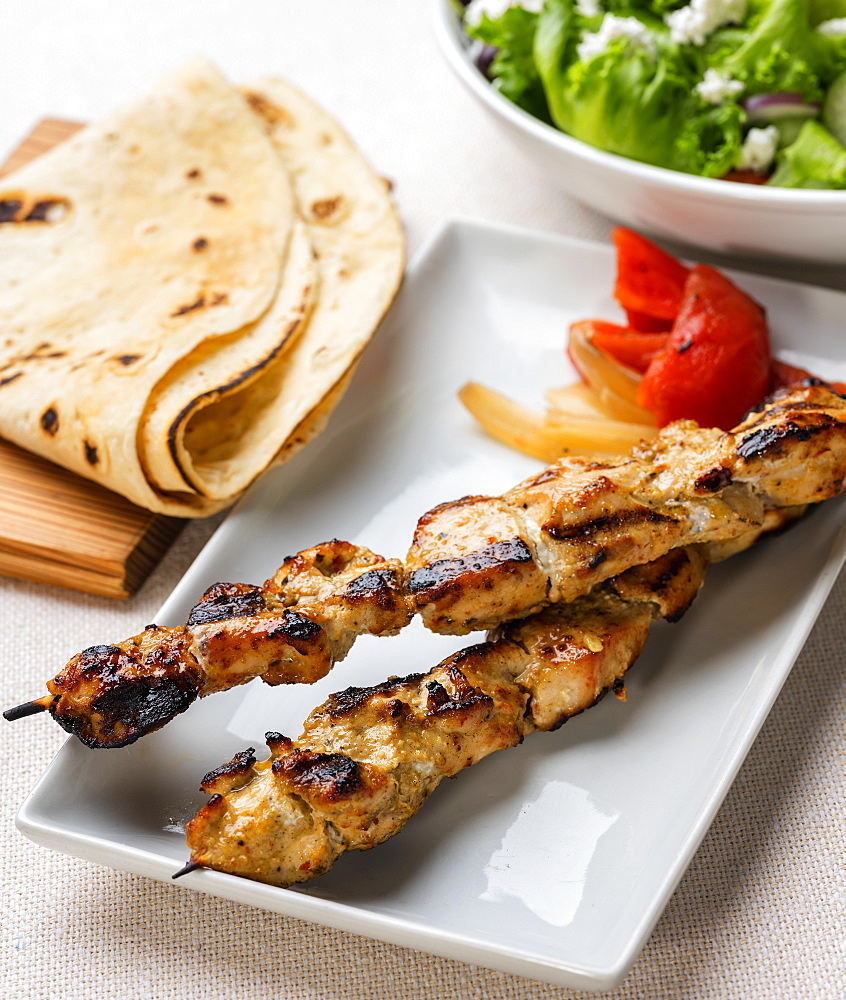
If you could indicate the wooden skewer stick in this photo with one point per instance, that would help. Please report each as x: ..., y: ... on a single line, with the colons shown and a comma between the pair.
x: 189, y: 867
x: 29, y: 708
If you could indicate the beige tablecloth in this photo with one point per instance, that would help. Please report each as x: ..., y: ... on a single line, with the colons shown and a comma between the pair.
x: 760, y: 914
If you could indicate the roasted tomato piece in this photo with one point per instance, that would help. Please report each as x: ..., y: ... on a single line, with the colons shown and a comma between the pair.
x: 745, y: 177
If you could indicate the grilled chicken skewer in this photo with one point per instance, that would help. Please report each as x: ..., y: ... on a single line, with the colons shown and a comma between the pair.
x: 290, y: 630
x: 473, y: 563
x: 481, y: 560
x: 368, y: 758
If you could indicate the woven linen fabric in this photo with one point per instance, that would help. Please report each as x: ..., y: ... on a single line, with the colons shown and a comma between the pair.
x: 761, y: 911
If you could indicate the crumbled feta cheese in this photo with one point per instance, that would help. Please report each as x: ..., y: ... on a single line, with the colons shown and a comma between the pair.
x: 693, y: 24
x: 758, y: 149
x: 834, y: 26
x: 715, y: 87
x: 595, y: 42
x: 496, y: 8
x: 589, y: 8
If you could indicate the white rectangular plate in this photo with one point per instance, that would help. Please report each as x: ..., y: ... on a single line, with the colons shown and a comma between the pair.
x: 553, y: 860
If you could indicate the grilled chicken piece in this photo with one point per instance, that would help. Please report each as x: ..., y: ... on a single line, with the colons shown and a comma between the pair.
x: 477, y: 561
x: 792, y: 448
x: 368, y: 758
x: 331, y: 594
x: 471, y: 553
x: 776, y: 520
x: 290, y: 630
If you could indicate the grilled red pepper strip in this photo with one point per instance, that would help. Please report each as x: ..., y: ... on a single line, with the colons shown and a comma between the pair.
x: 647, y: 324
x: 649, y: 280
x: 630, y: 347
x: 783, y: 375
x: 716, y: 364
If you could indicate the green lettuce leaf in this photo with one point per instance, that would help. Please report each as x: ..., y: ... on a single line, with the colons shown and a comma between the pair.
x: 830, y: 55
x: 777, y: 51
x: 513, y: 67
x: 633, y: 102
x: 637, y: 8
x: 815, y: 160
x: 826, y: 10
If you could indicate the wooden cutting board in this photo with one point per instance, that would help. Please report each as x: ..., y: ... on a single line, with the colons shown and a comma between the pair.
x: 55, y: 526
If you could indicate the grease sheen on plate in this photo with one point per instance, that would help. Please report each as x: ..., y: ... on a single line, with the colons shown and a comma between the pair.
x: 553, y: 860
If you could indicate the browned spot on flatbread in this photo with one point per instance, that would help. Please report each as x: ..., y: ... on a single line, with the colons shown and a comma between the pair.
x: 127, y: 359
x: 217, y: 199
x: 9, y: 208
x: 10, y: 378
x: 194, y: 174
x: 91, y: 456
x: 219, y: 299
x: 325, y: 208
x: 40, y: 352
x: 50, y: 421
x: 272, y: 113
x: 20, y: 207
x: 200, y: 244
x: 198, y: 304
x: 48, y: 210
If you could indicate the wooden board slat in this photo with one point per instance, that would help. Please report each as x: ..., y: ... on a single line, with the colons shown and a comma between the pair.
x: 55, y: 526
x: 47, y: 133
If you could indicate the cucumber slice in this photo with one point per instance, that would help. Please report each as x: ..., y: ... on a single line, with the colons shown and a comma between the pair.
x: 788, y: 129
x: 834, y: 109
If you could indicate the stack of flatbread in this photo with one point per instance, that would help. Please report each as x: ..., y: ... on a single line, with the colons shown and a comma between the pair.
x: 186, y: 286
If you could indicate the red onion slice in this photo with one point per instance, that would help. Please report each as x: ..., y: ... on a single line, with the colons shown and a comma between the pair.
x: 770, y: 107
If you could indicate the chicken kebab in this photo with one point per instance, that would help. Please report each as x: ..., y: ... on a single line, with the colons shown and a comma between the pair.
x: 369, y: 757
x: 290, y: 630
x: 474, y: 563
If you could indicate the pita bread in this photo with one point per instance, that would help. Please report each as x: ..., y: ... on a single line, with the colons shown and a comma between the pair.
x: 358, y: 248
x: 359, y: 244
x: 200, y: 277
x: 219, y: 379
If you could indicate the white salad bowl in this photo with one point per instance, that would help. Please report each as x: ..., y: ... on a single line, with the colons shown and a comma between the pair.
x: 739, y: 219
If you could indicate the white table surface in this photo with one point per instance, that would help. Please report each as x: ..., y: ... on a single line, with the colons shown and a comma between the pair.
x: 761, y: 912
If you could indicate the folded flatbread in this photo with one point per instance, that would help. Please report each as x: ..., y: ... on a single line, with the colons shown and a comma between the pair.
x: 185, y: 287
